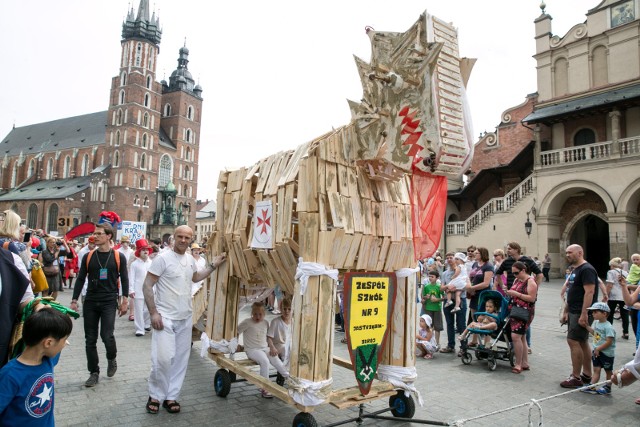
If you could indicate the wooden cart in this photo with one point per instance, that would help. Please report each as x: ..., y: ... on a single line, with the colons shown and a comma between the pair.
x: 344, y: 200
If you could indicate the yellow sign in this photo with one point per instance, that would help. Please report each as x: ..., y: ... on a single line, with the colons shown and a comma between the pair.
x: 368, y: 310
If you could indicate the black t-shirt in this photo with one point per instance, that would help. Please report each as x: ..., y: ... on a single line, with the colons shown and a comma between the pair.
x: 477, y: 276
x: 508, y: 263
x: 584, y: 274
x: 102, y: 289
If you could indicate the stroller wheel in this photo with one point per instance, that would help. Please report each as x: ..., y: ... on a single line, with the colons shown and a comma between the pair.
x: 512, y: 358
x: 493, y: 364
x: 467, y: 358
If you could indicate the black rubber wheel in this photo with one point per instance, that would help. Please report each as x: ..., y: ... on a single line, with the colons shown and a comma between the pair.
x: 280, y: 380
x: 512, y: 358
x: 304, y: 419
x: 222, y: 382
x: 403, y: 406
x: 232, y: 375
x: 493, y: 364
x: 467, y: 358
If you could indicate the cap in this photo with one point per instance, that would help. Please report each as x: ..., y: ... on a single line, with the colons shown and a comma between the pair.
x: 600, y: 306
x: 427, y: 319
x: 460, y: 256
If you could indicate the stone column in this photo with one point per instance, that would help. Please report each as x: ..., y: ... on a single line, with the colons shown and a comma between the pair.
x: 623, y: 232
x: 615, y: 132
x: 549, y: 241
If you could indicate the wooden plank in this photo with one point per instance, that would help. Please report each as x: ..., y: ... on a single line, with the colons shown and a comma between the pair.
x: 308, y: 327
x: 382, y: 255
x: 280, y: 225
x: 271, y: 272
x: 309, y: 236
x: 303, y: 187
x: 410, y: 322
x: 265, y: 169
x: 343, y: 180
x: 364, y: 184
x: 243, y: 267
x: 331, y: 178
x: 296, y: 319
x: 349, y: 261
x: 337, y: 210
x: 294, y: 247
x: 356, y: 209
x: 368, y: 225
x: 288, y: 209
x: 324, y: 330
x: 231, y: 309
x: 325, y: 246
x: 312, y: 190
x: 397, y: 327
x: 372, y: 259
x: 337, y: 250
x: 347, y: 211
x: 378, y: 219
x: 324, y: 211
x: 288, y: 259
x: 392, y: 255
x: 286, y: 280
x: 291, y: 172
x: 322, y: 180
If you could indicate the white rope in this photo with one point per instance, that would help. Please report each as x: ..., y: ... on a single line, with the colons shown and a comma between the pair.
x: 223, y: 346
x: 401, y: 377
x: 406, y: 272
x: 462, y: 422
x: 308, y: 269
x: 309, y: 393
x: 531, y: 405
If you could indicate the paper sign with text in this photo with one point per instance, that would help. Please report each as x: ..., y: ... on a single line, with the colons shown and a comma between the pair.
x: 135, y: 231
x: 368, y: 306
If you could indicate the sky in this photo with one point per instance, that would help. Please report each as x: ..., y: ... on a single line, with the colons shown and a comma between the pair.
x: 275, y: 74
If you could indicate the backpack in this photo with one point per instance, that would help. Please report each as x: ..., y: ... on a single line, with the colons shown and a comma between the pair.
x: 117, y: 256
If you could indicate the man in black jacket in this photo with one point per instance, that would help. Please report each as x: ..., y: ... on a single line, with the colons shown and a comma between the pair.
x: 106, y: 274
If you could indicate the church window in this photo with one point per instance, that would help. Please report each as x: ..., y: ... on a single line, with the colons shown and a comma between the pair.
x: 146, y: 202
x: 145, y: 120
x: 119, y: 117
x: 146, y: 100
x: 186, y: 172
x: 188, y: 135
x: 52, y: 218
x: 67, y: 167
x: 190, y: 112
x: 148, y: 82
x: 167, y: 110
x: 121, y: 98
x: 14, y: 175
x: 117, y: 138
x: 85, y: 165
x: 116, y: 159
x: 143, y: 161
x: 138, y: 54
x: 164, y: 174
x: 188, y: 154
x: 32, y: 215
x: 142, y: 182
x: 144, y: 140
x: 112, y: 197
x: 136, y: 200
x: 123, y: 78
x: 32, y: 168
x: 50, y: 169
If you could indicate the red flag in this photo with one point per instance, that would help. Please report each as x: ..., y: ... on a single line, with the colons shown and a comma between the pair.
x: 428, y: 208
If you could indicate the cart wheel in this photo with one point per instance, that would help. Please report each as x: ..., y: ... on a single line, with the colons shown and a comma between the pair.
x: 280, y: 380
x: 467, y: 358
x: 232, y: 376
x: 512, y: 358
x: 222, y: 382
x: 493, y: 364
x: 403, y: 406
x: 304, y: 419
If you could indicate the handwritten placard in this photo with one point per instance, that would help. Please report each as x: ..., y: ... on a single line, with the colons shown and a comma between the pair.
x: 135, y: 230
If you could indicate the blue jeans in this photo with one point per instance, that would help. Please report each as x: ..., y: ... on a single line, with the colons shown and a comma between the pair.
x: 458, y: 324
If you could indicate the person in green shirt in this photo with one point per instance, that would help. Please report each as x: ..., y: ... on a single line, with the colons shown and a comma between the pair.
x: 432, y: 297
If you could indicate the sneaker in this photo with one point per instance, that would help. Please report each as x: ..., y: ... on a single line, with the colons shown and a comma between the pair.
x: 585, y: 379
x: 572, y: 382
x: 93, y: 380
x: 447, y: 350
x: 139, y: 334
x: 448, y: 303
x: 456, y: 309
x: 604, y: 390
x: 590, y: 390
x: 275, y: 312
x: 112, y: 367
x: 264, y: 393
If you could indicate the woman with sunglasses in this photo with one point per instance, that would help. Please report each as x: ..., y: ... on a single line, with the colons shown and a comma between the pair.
x: 523, y: 293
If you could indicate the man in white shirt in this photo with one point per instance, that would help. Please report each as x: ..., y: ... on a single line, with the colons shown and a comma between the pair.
x: 171, y: 275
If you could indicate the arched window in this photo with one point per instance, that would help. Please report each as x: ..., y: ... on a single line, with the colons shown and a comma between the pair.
x: 136, y: 200
x: 138, y: 54
x: 32, y: 216
x: 32, y: 167
x: 149, y: 82
x: 14, y: 174
x: 52, y: 218
x: 584, y: 137
x: 116, y: 159
x: 165, y: 170
x: 167, y: 110
x: 135, y: 180
x: 561, y: 77
x: 143, y: 161
x: 119, y: 117
x: 145, y: 120
x: 185, y: 190
x: 190, y: 112
x: 50, y: 168
x: 142, y: 182
x: 67, y: 167
x: 599, y: 71
x: 146, y: 100
x: 185, y: 174
x: 187, y: 135
x: 144, y: 140
x: 121, y: 98
x: 188, y: 153
x: 146, y: 202
x: 123, y: 78
x: 85, y: 165
x: 117, y: 138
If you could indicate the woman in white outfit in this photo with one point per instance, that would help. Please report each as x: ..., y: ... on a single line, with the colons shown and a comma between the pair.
x: 137, y: 272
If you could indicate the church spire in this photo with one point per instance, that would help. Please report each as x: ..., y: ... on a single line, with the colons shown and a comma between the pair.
x: 142, y: 27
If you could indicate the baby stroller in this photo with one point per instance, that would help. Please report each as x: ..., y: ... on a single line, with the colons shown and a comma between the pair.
x: 495, y: 350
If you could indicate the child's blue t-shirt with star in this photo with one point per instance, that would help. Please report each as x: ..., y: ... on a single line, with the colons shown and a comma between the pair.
x: 26, y: 393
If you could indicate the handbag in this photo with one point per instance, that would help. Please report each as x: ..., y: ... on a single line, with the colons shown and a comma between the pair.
x: 520, y: 313
x: 51, y: 270
x: 38, y: 278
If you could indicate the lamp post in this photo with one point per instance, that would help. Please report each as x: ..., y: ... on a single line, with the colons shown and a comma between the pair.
x: 528, y: 226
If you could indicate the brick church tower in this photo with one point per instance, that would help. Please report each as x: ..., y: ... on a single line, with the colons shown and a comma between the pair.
x: 152, y: 132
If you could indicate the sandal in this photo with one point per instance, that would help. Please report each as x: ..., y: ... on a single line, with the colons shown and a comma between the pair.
x: 638, y: 401
x: 171, y: 406
x: 516, y: 370
x: 343, y: 340
x: 131, y: 317
x: 152, y: 407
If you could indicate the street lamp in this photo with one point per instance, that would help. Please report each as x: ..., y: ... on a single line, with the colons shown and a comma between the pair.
x: 528, y: 226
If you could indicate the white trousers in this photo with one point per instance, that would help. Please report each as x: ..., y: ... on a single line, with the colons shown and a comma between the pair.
x: 170, y: 349
x: 141, y: 316
x: 262, y: 358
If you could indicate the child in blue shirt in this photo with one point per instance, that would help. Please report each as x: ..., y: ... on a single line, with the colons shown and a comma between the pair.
x: 26, y: 383
x: 604, y: 346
